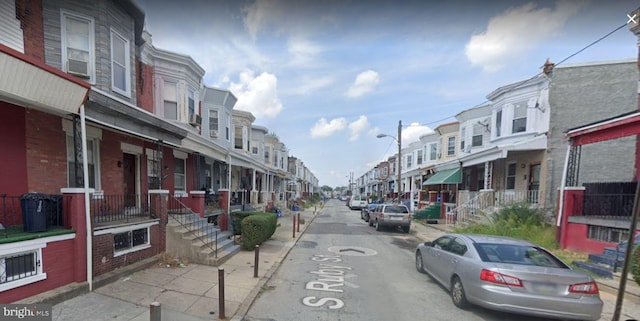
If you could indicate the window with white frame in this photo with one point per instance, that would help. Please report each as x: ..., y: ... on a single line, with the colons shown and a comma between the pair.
x: 180, y: 174
x: 499, y: 123
x: 451, y: 146
x: 419, y: 157
x: 227, y: 123
x: 74, y: 163
x: 463, y: 136
x: 433, y: 151
x: 519, y: 118
x: 237, y: 139
x: 154, y: 158
x: 213, y: 123
x: 476, y: 140
x: 170, y: 93
x: 191, y: 103
x: 511, y: 176
x: 78, y: 53
x: 267, y: 150
x: 409, y: 160
x: 130, y: 241
x: 120, y: 66
x: 254, y: 148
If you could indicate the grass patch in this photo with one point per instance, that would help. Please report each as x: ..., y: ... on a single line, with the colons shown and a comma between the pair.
x: 521, y: 222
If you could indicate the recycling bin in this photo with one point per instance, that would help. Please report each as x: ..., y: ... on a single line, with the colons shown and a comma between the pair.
x: 35, y: 207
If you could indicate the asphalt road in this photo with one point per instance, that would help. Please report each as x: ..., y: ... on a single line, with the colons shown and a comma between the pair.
x: 342, y: 269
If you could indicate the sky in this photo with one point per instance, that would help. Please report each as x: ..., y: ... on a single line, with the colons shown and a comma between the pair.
x: 328, y: 76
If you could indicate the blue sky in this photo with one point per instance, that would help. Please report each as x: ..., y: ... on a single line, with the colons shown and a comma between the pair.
x: 328, y: 76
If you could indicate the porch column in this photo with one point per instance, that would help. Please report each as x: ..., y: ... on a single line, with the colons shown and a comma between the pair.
x: 77, y: 221
x: 253, y: 181
x: 159, y: 207
x: 444, y: 198
x: 197, y: 202
x: 572, y: 206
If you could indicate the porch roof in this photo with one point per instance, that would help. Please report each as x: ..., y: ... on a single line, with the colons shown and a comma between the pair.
x: 447, y: 176
x: 538, y: 142
x: 27, y: 82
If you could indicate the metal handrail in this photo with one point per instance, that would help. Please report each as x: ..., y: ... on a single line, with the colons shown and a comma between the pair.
x: 178, y: 211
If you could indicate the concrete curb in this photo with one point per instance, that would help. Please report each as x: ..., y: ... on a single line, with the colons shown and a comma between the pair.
x: 242, y: 310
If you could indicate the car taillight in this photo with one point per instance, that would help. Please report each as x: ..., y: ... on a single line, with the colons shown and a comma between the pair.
x: 381, y: 215
x: 585, y: 288
x: 499, y: 278
x: 409, y: 216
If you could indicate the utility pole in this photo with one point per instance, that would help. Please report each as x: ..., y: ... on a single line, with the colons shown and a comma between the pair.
x: 399, y: 161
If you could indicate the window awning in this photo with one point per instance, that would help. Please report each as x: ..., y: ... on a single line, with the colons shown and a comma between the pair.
x: 448, y: 176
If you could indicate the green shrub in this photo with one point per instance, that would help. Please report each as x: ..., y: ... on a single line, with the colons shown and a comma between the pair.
x: 236, y: 221
x: 635, y: 265
x: 257, y: 228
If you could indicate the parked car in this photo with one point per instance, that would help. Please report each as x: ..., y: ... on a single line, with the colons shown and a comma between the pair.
x: 390, y: 215
x: 357, y: 202
x: 510, y: 275
x: 365, y: 213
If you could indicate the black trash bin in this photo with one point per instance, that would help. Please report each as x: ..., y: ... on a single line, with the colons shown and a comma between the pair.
x: 35, y: 207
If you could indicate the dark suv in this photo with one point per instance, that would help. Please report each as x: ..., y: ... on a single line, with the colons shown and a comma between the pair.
x: 393, y: 215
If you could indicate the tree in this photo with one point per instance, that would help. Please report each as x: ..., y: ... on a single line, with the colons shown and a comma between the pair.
x: 326, y: 188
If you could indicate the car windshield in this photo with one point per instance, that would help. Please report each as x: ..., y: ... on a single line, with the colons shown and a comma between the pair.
x: 396, y: 209
x: 517, y: 254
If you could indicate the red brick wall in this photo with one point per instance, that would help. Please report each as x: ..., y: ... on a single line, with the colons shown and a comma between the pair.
x: 32, y: 27
x: 46, y: 152
x: 144, y: 86
x: 104, y: 261
x: 59, y: 265
x: 13, y: 169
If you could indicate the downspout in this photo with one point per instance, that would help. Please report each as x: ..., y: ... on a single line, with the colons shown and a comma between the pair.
x: 85, y: 169
x: 229, y: 184
x: 563, y: 182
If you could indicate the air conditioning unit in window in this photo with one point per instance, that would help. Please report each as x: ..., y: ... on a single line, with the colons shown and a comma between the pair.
x: 213, y: 133
x: 78, y: 68
x: 195, y: 120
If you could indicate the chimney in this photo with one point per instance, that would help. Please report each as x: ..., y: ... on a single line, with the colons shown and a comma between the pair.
x: 547, y: 69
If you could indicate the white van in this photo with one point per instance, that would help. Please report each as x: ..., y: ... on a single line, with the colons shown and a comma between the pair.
x: 358, y: 202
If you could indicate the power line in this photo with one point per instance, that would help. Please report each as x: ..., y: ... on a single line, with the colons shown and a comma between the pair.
x: 538, y: 74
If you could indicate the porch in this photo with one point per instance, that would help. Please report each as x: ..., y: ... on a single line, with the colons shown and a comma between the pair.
x: 49, y: 217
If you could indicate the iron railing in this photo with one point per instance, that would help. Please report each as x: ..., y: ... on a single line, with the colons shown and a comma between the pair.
x: 106, y: 209
x: 12, y: 216
x: 472, y: 204
x: 202, y: 231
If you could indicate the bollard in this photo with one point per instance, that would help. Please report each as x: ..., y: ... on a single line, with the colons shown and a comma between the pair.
x: 155, y: 311
x: 294, y: 225
x: 256, y: 261
x: 221, y: 293
x: 298, y: 222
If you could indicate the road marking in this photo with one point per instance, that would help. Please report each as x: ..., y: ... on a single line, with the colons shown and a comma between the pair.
x: 330, y: 277
x: 352, y: 250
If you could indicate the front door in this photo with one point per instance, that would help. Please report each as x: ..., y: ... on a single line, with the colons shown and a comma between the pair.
x: 534, y: 183
x: 129, y: 174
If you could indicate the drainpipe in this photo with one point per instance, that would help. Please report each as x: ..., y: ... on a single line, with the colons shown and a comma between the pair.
x: 85, y: 168
x: 229, y: 183
x: 563, y: 182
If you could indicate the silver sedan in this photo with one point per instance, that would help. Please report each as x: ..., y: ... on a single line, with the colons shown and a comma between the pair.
x: 510, y: 275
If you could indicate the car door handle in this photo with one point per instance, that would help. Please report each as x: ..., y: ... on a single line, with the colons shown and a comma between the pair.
x: 454, y: 261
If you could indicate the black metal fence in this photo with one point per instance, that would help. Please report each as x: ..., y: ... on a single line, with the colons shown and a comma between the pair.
x: 119, y: 208
x: 610, y: 199
x: 32, y: 212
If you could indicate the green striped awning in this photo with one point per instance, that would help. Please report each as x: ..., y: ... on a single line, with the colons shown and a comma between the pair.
x: 448, y: 176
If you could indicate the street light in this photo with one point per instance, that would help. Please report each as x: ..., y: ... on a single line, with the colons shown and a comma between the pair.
x: 399, y: 141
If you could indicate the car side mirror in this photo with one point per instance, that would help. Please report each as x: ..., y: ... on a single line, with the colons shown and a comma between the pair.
x: 429, y: 244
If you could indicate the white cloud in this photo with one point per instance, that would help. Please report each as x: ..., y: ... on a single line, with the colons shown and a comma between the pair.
x: 322, y: 128
x: 303, y: 52
x: 307, y: 85
x: 258, y: 15
x: 365, y: 82
x: 357, y: 127
x: 413, y: 133
x: 511, y: 35
x: 258, y: 95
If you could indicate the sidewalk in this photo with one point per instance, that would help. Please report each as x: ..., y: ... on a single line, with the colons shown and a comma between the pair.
x: 191, y: 293
x: 185, y: 293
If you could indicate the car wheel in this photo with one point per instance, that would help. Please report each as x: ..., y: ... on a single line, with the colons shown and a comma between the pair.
x: 457, y: 294
x: 370, y: 222
x: 378, y: 227
x: 406, y: 229
x: 419, y: 262
x: 366, y: 218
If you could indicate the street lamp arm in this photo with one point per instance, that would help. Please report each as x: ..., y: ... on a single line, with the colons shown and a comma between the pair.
x: 385, y: 135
